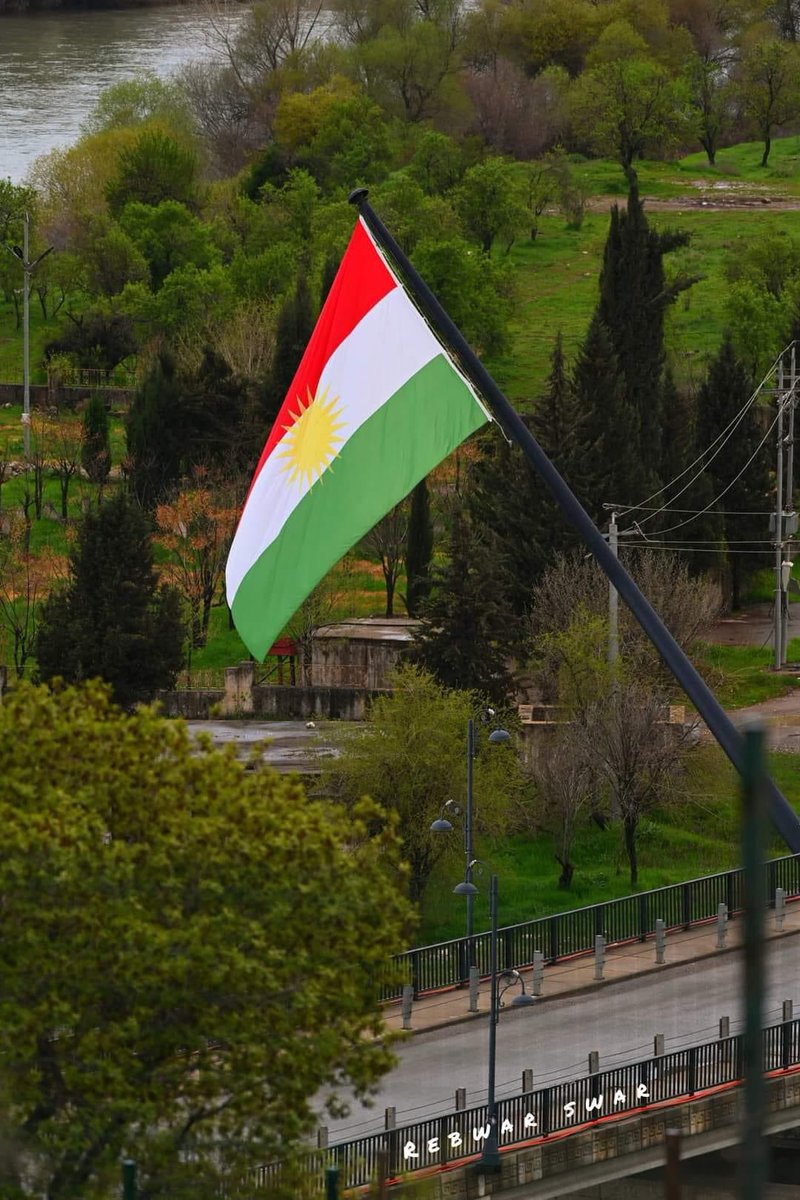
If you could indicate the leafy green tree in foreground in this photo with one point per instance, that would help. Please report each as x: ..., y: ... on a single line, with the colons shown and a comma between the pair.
x: 113, y: 619
x: 190, y: 953
x: 411, y: 757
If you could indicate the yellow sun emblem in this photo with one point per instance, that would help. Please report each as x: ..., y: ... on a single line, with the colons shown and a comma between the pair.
x: 312, y: 441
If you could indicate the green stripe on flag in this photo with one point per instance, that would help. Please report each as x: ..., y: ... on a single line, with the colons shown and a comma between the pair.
x: 423, y: 422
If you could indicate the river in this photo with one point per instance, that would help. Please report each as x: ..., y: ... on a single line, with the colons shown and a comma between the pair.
x: 54, y: 65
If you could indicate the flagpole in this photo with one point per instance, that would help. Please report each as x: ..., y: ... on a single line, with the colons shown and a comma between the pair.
x: 783, y: 816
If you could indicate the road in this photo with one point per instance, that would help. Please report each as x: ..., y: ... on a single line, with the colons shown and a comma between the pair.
x: 554, y: 1039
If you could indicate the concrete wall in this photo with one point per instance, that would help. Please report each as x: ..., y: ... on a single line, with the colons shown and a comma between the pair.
x: 192, y: 705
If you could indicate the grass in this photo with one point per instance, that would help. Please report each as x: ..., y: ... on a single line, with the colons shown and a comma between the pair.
x: 697, y: 835
x: 742, y: 675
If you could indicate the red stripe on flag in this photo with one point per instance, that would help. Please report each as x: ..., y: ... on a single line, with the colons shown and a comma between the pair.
x: 361, y: 281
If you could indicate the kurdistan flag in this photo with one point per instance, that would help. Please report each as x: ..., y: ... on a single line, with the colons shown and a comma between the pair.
x: 376, y: 404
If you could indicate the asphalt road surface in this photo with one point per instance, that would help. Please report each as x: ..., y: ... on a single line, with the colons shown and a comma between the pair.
x: 554, y: 1039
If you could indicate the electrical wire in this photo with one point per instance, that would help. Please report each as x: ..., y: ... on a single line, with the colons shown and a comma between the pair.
x: 705, y: 458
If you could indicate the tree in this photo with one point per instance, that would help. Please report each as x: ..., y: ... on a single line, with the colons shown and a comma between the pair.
x: 196, y: 529
x: 770, y: 83
x: 467, y: 630
x: 740, y: 471
x: 155, y: 168
x: 419, y: 550
x: 710, y: 101
x: 96, y: 440
x: 113, y: 619
x: 635, y: 754
x: 565, y: 788
x: 635, y: 296
x: 155, y: 440
x: 627, y: 108
x: 386, y: 541
x: 25, y: 579
x: 165, y: 906
x: 66, y: 448
x: 491, y: 203
x: 293, y: 330
x: 613, y: 471
x: 475, y: 290
x: 409, y: 756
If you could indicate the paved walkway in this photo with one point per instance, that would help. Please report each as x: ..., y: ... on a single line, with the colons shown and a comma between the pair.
x: 575, y: 975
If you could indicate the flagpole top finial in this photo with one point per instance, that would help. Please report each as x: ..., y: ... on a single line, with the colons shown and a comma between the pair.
x: 358, y: 196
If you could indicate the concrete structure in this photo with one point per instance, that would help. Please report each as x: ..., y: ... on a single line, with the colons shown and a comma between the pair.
x: 360, y: 653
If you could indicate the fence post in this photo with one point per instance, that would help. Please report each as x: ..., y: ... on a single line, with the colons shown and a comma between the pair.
x: 322, y: 1137
x: 408, y: 1002
x: 599, y: 956
x: 730, y: 898
x: 332, y: 1183
x: 527, y: 1080
x: 415, y: 979
x: 786, y: 1033
x: 692, y: 1071
x: 390, y: 1118
x: 474, y: 991
x: 722, y: 925
x: 686, y: 897
x: 661, y: 940
x: 780, y: 908
x: 538, y: 972
x: 658, y: 1045
x: 461, y: 1099
x: 129, y: 1188
x: 594, y: 1072
x: 724, y: 1028
x: 553, y: 939
x: 643, y: 918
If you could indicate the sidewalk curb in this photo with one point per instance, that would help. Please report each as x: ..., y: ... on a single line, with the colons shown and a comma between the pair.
x: 596, y: 985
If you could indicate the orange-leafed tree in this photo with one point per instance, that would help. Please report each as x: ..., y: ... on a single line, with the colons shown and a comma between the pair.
x: 25, y: 580
x: 196, y: 529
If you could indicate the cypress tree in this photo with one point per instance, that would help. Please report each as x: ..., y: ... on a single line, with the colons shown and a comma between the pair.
x: 613, y: 469
x: 154, y: 432
x: 634, y: 298
x: 746, y: 502
x: 113, y: 619
x: 419, y: 550
x: 96, y: 443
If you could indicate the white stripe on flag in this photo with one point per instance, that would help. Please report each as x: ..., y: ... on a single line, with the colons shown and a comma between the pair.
x: 389, y: 345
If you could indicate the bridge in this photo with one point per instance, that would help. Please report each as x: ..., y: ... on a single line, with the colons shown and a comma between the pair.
x: 584, y: 1132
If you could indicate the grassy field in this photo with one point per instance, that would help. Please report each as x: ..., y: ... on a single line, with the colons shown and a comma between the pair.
x: 697, y: 835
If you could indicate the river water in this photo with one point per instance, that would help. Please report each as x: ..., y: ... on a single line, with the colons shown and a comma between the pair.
x: 54, y: 65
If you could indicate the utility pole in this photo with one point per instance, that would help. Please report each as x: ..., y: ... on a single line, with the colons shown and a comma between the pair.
x: 613, y: 595
x: 779, y: 525
x: 28, y: 267
x: 788, y: 507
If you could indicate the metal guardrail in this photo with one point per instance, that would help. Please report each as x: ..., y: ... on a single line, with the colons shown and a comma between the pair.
x: 623, y: 1091
x: 680, y: 905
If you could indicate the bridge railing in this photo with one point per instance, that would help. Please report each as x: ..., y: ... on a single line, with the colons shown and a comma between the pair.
x: 680, y: 905
x: 621, y: 1091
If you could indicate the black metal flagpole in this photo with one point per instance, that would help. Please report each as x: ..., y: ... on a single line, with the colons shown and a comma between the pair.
x: 783, y: 816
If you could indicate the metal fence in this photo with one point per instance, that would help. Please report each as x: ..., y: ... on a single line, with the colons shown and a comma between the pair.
x: 622, y: 1091
x: 681, y: 905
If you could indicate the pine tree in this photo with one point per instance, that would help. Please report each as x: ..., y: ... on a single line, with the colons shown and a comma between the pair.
x: 294, y: 328
x: 113, y: 619
x: 745, y: 484
x: 467, y: 629
x: 96, y: 443
x: 634, y: 298
x: 692, y: 490
x: 419, y: 550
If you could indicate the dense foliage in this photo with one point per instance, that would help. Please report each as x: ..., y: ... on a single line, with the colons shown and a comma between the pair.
x: 190, y: 953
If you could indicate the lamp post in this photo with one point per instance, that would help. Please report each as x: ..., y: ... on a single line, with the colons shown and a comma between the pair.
x: 490, y: 1157
x: 28, y: 266
x: 442, y: 825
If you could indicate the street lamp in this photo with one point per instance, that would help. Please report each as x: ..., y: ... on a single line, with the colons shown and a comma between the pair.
x: 28, y: 266
x: 490, y: 1157
x: 442, y: 825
